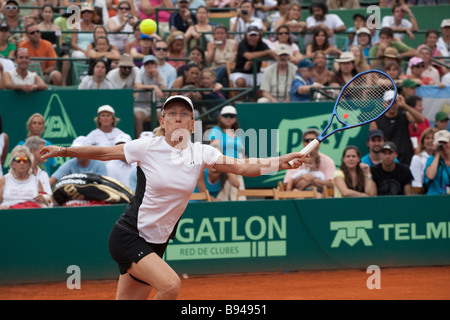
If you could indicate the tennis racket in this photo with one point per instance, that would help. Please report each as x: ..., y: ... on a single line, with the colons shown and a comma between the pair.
x: 365, y: 98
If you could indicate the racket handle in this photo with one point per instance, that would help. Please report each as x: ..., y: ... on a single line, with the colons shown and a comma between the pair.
x: 307, y: 150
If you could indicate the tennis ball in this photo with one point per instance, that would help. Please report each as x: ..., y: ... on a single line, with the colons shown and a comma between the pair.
x: 148, y: 26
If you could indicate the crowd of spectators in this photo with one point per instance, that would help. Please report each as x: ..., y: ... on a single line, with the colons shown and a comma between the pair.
x: 294, y: 57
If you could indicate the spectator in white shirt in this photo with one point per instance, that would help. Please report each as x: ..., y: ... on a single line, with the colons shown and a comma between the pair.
x: 443, y: 44
x: 124, y: 76
x: 398, y: 23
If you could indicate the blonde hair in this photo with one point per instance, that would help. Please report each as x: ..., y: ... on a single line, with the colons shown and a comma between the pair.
x: 28, y: 123
x: 15, y: 152
x: 425, y: 132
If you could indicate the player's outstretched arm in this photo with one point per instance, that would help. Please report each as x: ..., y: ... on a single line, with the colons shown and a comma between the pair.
x: 253, y: 167
x: 86, y: 152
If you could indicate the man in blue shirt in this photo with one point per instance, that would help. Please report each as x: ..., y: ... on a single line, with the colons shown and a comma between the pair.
x: 303, y: 82
x: 79, y: 165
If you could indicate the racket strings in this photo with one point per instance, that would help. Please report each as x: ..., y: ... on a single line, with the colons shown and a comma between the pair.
x: 362, y: 99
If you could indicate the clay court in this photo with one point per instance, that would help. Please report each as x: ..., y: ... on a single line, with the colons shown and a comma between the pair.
x: 418, y: 283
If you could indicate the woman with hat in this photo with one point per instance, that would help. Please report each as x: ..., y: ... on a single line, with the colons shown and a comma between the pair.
x: 173, y: 165
x: 81, y: 40
x: 346, y: 70
x: 106, y: 131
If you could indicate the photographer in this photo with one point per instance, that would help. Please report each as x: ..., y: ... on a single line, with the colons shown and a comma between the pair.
x: 122, y: 22
x: 437, y: 169
x: 245, y: 17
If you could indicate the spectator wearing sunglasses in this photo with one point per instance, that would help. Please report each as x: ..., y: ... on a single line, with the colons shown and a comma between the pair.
x: 161, y: 52
x: 124, y: 77
x: 40, y: 48
x: 327, y: 165
x: 417, y: 66
x: 20, y: 188
x: 11, y: 17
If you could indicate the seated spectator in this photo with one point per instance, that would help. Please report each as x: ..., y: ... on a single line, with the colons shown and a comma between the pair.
x: 303, y: 84
x: 150, y: 79
x: 48, y: 29
x: 304, y: 179
x: 7, y: 48
x: 424, y: 150
x: 386, y: 41
x: 176, y: 49
x: 320, y: 72
x: 252, y: 47
x: 164, y: 67
x: 198, y: 35
x: 79, y: 165
x: 283, y: 36
x: 119, y: 169
x: 212, y: 98
x: 133, y: 40
x: 80, y: 41
x: 441, y: 120
x: 416, y: 129
x: 100, y: 31
x: 244, y: 19
x: 278, y: 77
x: 327, y: 165
x: 197, y: 56
x: 390, y: 55
x: 353, y: 179
x: 361, y: 64
x: 346, y: 70
x: 364, y: 40
x: 189, y: 80
x: 375, y: 140
x: 103, y: 50
x: 40, y: 48
x: 106, y: 132
x: 262, y: 9
x: 320, y: 19
x: 11, y: 16
x: 395, y: 125
x: 147, y: 10
x: 428, y: 71
x: 35, y: 144
x: 399, y: 24
x: 20, y: 188
x: 145, y: 48
x: 408, y: 88
x: 417, y: 66
x: 219, y: 52
x: 431, y: 39
x: 183, y: 18
x: 359, y: 22
x: 22, y: 79
x: 392, y: 69
x: 35, y: 126
x: 443, y: 43
x: 124, y: 76
x: 437, y: 168
x: 97, y: 80
x: 120, y: 24
x: 292, y: 19
x: 274, y: 16
x: 320, y: 42
x: 391, y: 178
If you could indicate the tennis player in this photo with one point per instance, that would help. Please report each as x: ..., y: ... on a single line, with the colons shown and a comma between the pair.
x: 169, y: 165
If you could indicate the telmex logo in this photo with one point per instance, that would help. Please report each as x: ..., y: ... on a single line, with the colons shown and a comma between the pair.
x: 352, y: 232
x: 229, y: 237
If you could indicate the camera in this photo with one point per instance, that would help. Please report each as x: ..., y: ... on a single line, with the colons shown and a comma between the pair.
x: 244, y: 12
x: 440, y: 147
x: 218, y: 42
x: 130, y: 16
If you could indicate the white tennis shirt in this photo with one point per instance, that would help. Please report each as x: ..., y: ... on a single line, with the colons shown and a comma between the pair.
x: 170, y: 179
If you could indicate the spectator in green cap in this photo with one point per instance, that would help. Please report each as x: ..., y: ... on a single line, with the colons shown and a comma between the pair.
x: 408, y: 88
x: 441, y: 120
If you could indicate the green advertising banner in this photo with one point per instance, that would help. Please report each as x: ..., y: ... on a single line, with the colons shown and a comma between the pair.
x: 67, y: 113
x: 38, y: 245
x: 270, y: 129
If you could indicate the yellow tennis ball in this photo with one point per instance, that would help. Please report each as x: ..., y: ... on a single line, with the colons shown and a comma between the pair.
x: 148, y: 26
